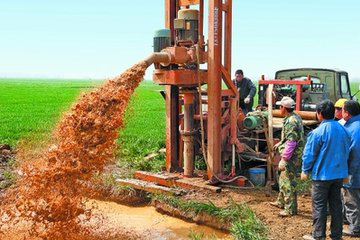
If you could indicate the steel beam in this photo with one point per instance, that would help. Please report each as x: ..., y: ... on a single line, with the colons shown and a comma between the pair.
x: 172, y: 128
x: 170, y: 14
x: 201, y: 24
x: 172, y: 100
x: 214, y: 88
x: 228, y: 36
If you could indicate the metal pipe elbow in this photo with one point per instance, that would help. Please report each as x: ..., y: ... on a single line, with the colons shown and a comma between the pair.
x: 163, y: 58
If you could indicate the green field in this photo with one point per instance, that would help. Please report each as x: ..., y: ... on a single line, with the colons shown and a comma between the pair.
x: 29, y: 109
x: 145, y: 129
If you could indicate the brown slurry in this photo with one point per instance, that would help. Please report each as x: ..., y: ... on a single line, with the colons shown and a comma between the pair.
x: 50, y: 194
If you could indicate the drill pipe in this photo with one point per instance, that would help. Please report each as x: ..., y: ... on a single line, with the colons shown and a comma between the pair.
x: 305, y: 115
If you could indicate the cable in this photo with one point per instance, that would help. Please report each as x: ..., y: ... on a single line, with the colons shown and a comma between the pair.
x: 235, y: 178
x: 203, y: 147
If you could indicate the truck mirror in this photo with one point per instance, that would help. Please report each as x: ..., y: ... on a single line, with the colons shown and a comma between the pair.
x: 353, y: 97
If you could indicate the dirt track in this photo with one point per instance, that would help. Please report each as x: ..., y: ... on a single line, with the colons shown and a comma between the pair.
x: 279, y: 228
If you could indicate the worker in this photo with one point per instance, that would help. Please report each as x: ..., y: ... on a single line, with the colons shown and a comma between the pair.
x: 290, y: 148
x: 338, y: 110
x: 247, y: 91
x: 351, y: 190
x: 326, y: 157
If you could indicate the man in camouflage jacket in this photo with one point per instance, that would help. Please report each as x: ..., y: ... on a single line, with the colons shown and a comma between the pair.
x: 290, y: 148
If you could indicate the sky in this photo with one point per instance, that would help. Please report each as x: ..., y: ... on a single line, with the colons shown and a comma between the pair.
x: 100, y: 39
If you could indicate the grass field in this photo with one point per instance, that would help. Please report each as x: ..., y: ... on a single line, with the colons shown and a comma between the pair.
x: 145, y: 129
x: 31, y: 108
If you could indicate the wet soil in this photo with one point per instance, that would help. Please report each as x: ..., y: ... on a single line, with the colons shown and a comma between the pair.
x: 112, y: 221
x: 150, y: 224
x: 258, y: 200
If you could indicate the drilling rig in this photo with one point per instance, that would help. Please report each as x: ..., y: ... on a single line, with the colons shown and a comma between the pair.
x: 199, y: 120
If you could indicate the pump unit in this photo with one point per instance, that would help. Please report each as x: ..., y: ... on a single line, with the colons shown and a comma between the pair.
x: 186, y: 26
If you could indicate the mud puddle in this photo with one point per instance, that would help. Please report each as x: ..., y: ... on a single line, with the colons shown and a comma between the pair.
x: 150, y: 224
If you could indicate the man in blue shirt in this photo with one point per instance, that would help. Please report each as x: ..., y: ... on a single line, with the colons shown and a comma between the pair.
x: 351, y: 190
x: 325, y: 157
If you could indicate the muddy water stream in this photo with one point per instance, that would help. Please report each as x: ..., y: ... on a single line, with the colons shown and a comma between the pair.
x: 151, y: 224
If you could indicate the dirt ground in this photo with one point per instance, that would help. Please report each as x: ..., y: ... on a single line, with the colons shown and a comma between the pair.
x: 258, y: 199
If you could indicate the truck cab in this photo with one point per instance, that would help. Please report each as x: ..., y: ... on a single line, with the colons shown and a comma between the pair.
x: 331, y: 84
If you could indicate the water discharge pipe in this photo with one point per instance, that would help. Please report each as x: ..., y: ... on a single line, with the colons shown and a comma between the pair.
x: 162, y: 57
x: 173, y: 55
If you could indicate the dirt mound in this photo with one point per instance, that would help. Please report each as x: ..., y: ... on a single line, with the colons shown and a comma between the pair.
x: 50, y: 195
x: 6, y: 153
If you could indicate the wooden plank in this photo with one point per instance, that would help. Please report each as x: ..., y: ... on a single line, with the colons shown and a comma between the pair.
x: 174, y: 180
x: 164, y: 179
x: 196, y: 183
x: 148, y: 187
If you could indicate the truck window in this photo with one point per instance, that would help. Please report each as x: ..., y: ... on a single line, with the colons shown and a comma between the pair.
x: 344, y: 86
x: 303, y: 78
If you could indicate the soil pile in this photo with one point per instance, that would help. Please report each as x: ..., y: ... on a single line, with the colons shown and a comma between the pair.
x: 6, y: 157
x: 6, y: 153
x: 50, y: 193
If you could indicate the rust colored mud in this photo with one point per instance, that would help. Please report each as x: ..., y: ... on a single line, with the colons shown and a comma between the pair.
x: 150, y: 224
x: 50, y: 195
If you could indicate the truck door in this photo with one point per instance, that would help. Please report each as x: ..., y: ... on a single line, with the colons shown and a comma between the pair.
x: 344, y: 85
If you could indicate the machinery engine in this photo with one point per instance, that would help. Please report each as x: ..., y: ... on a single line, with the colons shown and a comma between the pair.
x: 186, y: 26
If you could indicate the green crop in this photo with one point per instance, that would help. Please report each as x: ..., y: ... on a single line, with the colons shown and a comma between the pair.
x: 31, y: 108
